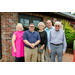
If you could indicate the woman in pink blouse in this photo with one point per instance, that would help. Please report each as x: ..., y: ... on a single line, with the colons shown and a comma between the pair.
x: 18, y: 44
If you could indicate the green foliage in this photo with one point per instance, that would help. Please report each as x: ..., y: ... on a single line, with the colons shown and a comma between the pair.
x: 25, y: 28
x: 36, y: 29
x: 69, y: 32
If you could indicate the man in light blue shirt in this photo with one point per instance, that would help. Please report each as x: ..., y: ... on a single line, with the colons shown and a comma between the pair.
x: 57, y: 42
x: 48, y: 29
x: 48, y: 32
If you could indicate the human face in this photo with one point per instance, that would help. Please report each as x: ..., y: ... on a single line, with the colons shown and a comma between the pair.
x: 31, y: 27
x: 20, y: 28
x: 41, y: 27
x: 49, y: 24
x: 57, y: 27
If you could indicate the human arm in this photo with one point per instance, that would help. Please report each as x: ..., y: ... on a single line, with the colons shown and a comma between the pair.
x: 32, y: 44
x: 38, y: 40
x: 42, y: 47
x: 49, y: 43
x: 27, y: 42
x: 25, y: 39
x: 64, y: 44
x: 13, y: 42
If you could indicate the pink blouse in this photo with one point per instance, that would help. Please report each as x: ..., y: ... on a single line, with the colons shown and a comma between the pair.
x: 19, y: 44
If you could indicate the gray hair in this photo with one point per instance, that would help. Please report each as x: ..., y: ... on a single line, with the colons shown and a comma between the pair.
x: 57, y: 22
x: 42, y: 24
x: 19, y: 24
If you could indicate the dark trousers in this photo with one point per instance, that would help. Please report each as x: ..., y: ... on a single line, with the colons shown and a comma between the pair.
x: 21, y: 59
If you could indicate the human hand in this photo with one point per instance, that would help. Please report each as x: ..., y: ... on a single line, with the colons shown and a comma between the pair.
x: 63, y: 52
x: 41, y: 48
x: 49, y: 50
x: 32, y: 45
x: 14, y: 50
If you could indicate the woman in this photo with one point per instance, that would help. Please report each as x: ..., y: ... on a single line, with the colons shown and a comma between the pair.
x: 18, y: 44
x: 41, y: 46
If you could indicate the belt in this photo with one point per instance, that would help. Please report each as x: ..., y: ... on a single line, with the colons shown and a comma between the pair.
x: 57, y: 44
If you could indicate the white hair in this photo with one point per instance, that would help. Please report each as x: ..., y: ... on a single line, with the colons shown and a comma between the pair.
x: 57, y: 22
x: 19, y: 24
x: 42, y: 24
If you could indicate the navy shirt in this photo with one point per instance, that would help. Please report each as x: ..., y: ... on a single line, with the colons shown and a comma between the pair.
x: 31, y: 37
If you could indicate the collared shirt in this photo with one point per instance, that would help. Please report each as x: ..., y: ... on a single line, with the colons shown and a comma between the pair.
x: 31, y: 37
x: 57, y: 37
x: 48, y: 32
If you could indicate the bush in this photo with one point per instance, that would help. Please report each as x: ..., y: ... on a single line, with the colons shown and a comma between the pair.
x: 69, y: 32
x: 25, y: 28
x: 36, y: 29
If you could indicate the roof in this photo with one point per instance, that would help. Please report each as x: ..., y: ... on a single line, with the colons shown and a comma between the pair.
x: 66, y: 14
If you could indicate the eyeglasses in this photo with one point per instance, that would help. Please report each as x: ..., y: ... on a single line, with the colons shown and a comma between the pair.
x: 57, y: 25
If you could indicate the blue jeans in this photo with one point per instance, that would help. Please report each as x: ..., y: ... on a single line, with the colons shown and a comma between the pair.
x: 56, y: 50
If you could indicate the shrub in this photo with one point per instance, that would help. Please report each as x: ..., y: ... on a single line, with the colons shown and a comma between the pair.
x: 36, y: 29
x: 69, y: 33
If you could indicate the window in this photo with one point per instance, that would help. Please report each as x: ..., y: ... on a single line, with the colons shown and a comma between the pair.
x: 36, y: 22
x: 0, y: 40
x: 25, y: 22
x: 27, y: 19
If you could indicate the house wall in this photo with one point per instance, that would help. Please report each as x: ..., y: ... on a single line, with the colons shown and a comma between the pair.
x: 8, y: 24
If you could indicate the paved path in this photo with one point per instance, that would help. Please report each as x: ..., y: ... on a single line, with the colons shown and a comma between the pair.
x: 67, y: 57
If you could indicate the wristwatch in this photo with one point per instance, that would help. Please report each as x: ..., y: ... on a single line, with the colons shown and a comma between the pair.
x: 35, y: 44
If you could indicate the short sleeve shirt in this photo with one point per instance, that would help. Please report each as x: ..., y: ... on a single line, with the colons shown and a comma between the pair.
x: 31, y: 37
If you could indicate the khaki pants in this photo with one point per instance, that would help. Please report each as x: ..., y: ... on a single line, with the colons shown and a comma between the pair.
x: 47, y: 55
x: 30, y: 54
x: 41, y: 56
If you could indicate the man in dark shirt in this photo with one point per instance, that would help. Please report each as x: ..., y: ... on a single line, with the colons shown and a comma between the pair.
x: 31, y: 39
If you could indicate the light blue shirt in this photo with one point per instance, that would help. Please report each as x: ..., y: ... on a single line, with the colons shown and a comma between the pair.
x: 48, y: 32
x: 57, y: 37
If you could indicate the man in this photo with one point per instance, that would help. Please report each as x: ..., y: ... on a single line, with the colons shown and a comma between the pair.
x: 31, y: 39
x: 57, y: 42
x: 48, y: 29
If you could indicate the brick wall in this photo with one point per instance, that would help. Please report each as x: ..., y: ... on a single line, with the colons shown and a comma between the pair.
x: 8, y: 24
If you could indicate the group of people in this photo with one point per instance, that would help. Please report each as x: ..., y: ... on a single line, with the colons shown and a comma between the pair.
x: 37, y: 46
